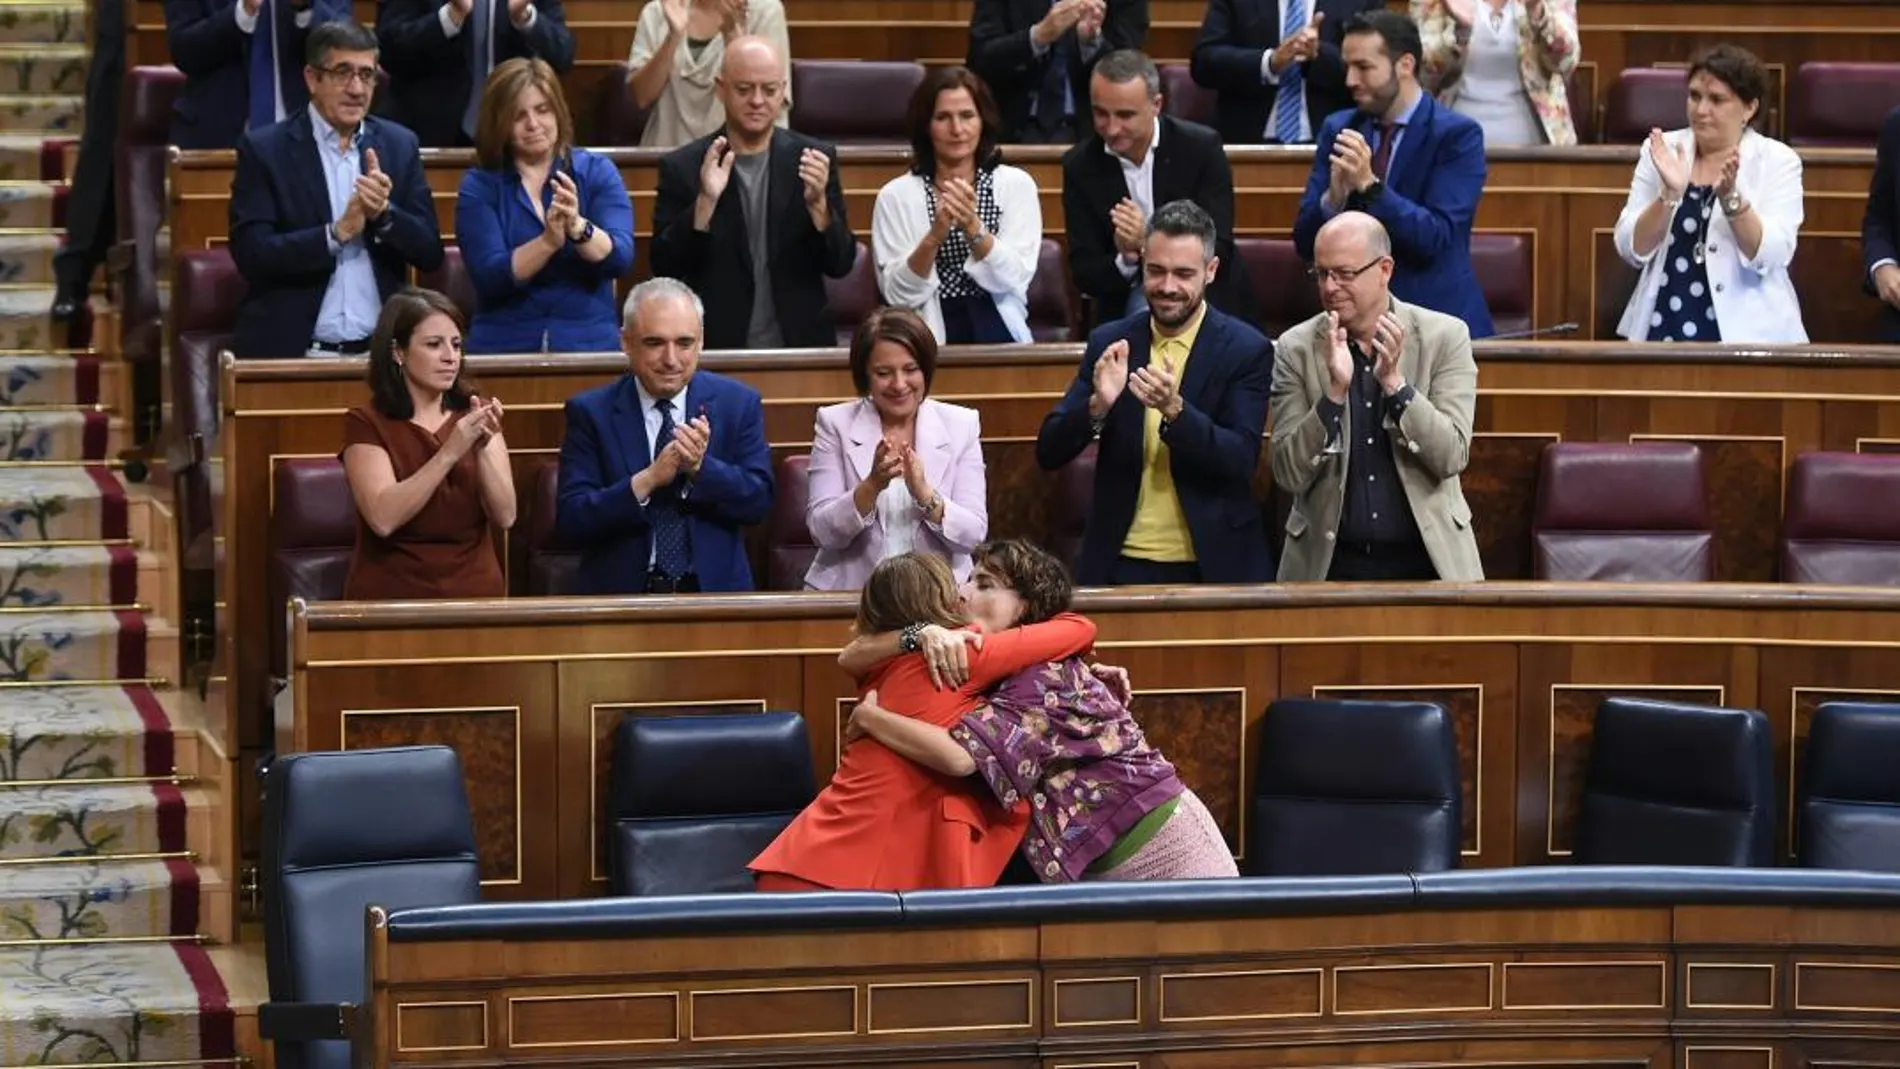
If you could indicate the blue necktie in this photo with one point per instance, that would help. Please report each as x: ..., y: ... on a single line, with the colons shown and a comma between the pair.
x: 672, y: 542
x: 1291, y: 102
x: 1052, y: 96
x: 264, y: 66
x: 479, y: 16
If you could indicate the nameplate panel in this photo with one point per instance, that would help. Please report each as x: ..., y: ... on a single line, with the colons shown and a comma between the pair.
x: 1248, y: 995
x: 773, y: 1012
x: 1847, y: 987
x: 1363, y: 990
x: 619, y: 1018
x: 433, y: 1027
x: 1586, y: 985
x: 1095, y: 1001
x: 1729, y: 985
x: 952, y: 1006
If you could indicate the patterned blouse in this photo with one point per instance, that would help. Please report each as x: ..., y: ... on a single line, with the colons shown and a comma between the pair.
x: 1056, y: 735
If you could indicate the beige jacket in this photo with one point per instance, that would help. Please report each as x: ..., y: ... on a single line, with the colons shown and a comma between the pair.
x: 1430, y: 444
x: 1547, y: 51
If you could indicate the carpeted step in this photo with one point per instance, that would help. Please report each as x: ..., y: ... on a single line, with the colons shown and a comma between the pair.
x: 89, y: 821
x: 45, y: 379
x: 43, y: 70
x: 26, y: 318
x: 40, y: 434
x: 51, y: 23
x: 37, y: 577
x: 83, y: 646
x: 22, y: 157
x: 27, y: 259
x: 82, y: 733
x: 100, y: 900
x: 82, y: 503
x: 56, y: 115
x: 27, y: 203
x: 112, y: 1005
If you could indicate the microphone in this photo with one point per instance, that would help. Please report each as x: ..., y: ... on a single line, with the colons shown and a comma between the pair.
x: 1540, y: 332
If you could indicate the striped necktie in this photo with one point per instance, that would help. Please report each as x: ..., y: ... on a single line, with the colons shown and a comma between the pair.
x: 1291, y: 103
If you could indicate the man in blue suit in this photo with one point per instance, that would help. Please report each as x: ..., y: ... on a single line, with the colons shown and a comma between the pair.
x: 1400, y: 158
x: 243, y: 64
x: 1177, y: 396
x: 329, y: 210
x: 662, y: 469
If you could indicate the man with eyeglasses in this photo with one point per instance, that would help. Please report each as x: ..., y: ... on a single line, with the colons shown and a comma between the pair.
x: 1371, y: 411
x: 752, y: 216
x: 329, y: 210
x: 439, y: 54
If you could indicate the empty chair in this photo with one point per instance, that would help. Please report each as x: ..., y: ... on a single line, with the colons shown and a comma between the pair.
x: 1282, y: 291
x: 1051, y: 312
x: 146, y: 99
x: 1644, y: 99
x: 1184, y: 98
x: 789, y: 546
x: 695, y: 797
x: 1840, y: 525
x: 1583, y: 109
x: 1841, y: 105
x: 852, y: 101
x: 1848, y: 811
x: 1354, y: 788
x: 205, y: 292
x: 342, y: 832
x: 551, y: 565
x: 312, y: 537
x: 851, y: 298
x: 1069, y: 510
x: 451, y: 280
x: 1671, y: 783
x: 1505, y: 272
x: 1633, y: 513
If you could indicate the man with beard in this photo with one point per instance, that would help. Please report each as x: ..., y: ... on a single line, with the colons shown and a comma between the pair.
x: 1372, y: 407
x: 1398, y: 156
x: 1176, y: 396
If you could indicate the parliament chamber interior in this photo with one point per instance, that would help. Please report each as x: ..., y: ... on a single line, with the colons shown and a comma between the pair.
x: 1631, y: 800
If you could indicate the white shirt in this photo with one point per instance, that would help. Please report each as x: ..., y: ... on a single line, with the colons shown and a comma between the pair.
x: 898, y: 516
x: 1268, y: 77
x: 1491, y: 91
x: 1141, y: 188
x: 651, y: 417
x: 901, y: 218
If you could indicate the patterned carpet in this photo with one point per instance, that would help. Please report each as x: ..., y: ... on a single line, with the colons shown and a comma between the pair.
x: 100, y: 891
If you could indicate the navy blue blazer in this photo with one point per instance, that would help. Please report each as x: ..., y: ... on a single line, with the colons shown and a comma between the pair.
x: 1880, y: 227
x: 1213, y: 448
x: 280, y: 219
x: 429, y: 78
x: 204, y: 41
x: 1226, y: 59
x: 570, y: 300
x: 606, y: 445
x: 1432, y: 186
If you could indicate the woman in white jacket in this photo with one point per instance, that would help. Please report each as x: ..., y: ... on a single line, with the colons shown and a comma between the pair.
x: 957, y: 238
x: 1712, y: 217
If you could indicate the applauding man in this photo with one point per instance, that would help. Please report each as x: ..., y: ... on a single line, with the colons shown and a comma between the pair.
x: 727, y: 223
x: 1177, y: 397
x: 1276, y: 65
x: 1372, y: 409
x: 318, y: 270
x: 439, y: 54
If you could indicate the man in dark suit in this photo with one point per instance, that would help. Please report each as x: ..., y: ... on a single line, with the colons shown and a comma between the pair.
x: 439, y: 54
x: 1177, y: 397
x: 1276, y: 66
x: 1036, y: 55
x: 1416, y: 167
x: 753, y: 217
x: 1880, y: 228
x: 329, y: 210
x: 243, y: 62
x: 1138, y: 158
x: 662, y: 469
x: 91, y: 214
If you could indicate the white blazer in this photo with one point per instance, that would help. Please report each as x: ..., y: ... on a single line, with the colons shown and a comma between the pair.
x: 1754, y: 299
x: 900, y: 220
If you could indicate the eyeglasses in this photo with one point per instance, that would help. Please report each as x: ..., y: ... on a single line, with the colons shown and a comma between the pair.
x: 344, y: 74
x: 1341, y: 275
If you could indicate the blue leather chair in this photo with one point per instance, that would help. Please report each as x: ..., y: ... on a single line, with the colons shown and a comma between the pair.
x: 1848, y: 812
x: 1672, y: 783
x: 1349, y: 788
x: 342, y: 832
x: 694, y: 797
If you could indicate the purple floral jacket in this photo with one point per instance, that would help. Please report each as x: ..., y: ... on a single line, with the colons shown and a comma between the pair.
x: 1056, y: 735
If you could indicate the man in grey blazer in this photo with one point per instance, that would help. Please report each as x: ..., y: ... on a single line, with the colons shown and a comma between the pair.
x: 1371, y: 411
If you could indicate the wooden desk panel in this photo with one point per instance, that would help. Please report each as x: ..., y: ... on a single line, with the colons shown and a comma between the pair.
x: 529, y: 690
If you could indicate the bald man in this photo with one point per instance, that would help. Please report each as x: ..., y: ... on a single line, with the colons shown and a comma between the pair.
x: 752, y: 216
x: 1371, y: 409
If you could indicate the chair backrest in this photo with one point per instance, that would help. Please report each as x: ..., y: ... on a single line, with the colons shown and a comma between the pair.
x: 1051, y: 311
x: 312, y: 537
x: 1848, y: 812
x: 1841, y: 105
x: 693, y: 798
x: 1355, y: 788
x: 1506, y: 274
x: 854, y: 101
x: 789, y: 546
x: 342, y: 832
x: 851, y: 298
x: 1583, y: 107
x: 1832, y: 530
x: 618, y: 121
x: 1183, y: 97
x: 1635, y: 513
x: 1069, y: 513
x: 452, y: 281
x: 206, y: 289
x: 1643, y: 99
x: 1672, y: 783
x: 1281, y: 290
x: 551, y: 565
x: 145, y: 123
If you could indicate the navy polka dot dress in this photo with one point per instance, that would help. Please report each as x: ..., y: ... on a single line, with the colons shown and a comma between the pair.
x: 1685, y: 311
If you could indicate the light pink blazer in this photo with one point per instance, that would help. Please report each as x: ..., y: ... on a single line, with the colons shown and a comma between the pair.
x: 849, y: 545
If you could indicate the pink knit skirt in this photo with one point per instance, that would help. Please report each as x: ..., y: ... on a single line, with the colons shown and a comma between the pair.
x: 1188, y: 847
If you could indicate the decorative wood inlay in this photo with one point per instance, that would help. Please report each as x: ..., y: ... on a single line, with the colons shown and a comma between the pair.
x: 1573, y: 713
x: 1729, y: 985
x: 1433, y: 988
x: 773, y: 1012
x: 424, y: 1027
x: 1096, y: 1001
x: 593, y: 1020
x: 1743, y: 476
x: 489, y: 743
x: 1725, y: 1057
x: 1500, y: 485
x: 956, y: 1006
x: 1586, y: 985
x: 1846, y: 987
x: 1465, y: 706
x: 1241, y: 996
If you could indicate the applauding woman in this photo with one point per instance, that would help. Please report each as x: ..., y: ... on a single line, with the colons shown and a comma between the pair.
x: 1502, y: 63
x: 679, y: 47
x: 1712, y: 216
x: 545, y: 227
x: 893, y: 472
x: 957, y: 238
x: 426, y: 463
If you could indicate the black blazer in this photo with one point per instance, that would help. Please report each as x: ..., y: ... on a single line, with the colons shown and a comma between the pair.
x: 1190, y: 164
x: 280, y: 218
x: 428, y: 71
x: 206, y: 44
x: 1001, y: 54
x: 1213, y: 448
x: 718, y: 262
x: 1880, y: 227
x: 1234, y: 35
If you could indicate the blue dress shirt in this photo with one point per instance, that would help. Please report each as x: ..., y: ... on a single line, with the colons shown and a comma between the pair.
x: 351, y: 304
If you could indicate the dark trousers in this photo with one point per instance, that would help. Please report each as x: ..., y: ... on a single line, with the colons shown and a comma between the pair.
x: 1132, y: 571
x: 1382, y: 562
x: 91, y: 223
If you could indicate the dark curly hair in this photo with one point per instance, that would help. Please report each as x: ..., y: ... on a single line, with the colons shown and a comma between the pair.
x: 1735, y: 67
x: 1035, y: 574
x: 402, y: 314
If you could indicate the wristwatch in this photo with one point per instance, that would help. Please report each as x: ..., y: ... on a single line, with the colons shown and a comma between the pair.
x: 1732, y: 203
x: 1372, y: 192
x: 910, y: 639
x: 587, y: 234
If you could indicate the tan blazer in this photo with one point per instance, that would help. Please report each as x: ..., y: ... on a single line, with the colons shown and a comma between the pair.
x: 1430, y: 445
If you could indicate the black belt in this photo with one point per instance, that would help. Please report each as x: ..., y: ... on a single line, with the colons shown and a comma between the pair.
x: 658, y: 582
x: 341, y: 348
